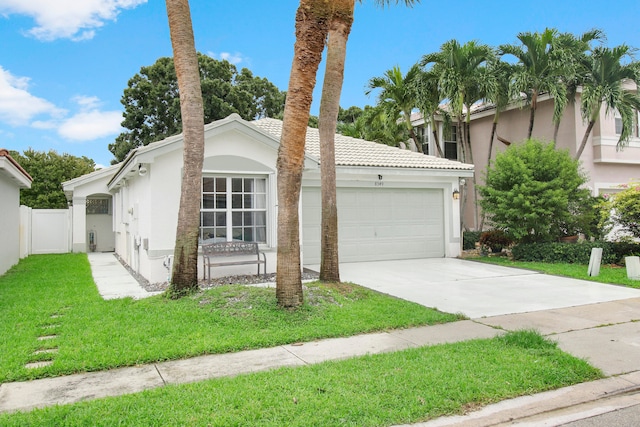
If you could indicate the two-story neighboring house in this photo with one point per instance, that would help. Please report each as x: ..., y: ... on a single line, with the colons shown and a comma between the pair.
x: 606, y: 166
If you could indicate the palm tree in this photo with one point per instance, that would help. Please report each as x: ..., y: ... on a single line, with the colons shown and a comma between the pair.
x: 459, y: 70
x: 312, y: 27
x: 570, y: 52
x: 462, y: 80
x: 497, y: 94
x: 185, y: 269
x: 428, y: 99
x: 339, y: 29
x: 604, y: 84
x: 547, y: 63
x: 535, y: 72
x: 398, y: 97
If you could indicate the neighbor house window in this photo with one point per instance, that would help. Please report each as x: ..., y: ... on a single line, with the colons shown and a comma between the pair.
x: 635, y: 129
x: 234, y: 208
x: 451, y: 144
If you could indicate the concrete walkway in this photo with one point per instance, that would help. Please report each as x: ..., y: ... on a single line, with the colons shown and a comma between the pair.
x: 607, y: 334
x: 112, y: 279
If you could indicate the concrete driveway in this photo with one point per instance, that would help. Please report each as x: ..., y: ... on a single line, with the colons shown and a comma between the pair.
x: 476, y: 289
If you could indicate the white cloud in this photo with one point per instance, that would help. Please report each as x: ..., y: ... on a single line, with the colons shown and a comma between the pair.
x: 234, y: 58
x: 90, y: 123
x: 73, y: 19
x: 17, y: 106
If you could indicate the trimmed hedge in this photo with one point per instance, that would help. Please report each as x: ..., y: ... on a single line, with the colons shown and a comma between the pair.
x: 573, y: 253
x: 469, y: 239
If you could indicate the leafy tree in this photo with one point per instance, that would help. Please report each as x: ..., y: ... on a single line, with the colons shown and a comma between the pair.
x: 375, y: 124
x: 624, y: 209
x: 184, y: 277
x: 604, y: 84
x: 152, y: 104
x: 49, y: 171
x: 531, y: 190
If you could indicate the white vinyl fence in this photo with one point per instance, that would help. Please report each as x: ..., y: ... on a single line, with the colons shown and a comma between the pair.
x: 44, y: 231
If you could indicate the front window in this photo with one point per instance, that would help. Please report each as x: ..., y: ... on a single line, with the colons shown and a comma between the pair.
x: 234, y: 208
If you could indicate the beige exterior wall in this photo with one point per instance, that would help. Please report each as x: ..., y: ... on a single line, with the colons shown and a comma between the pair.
x: 605, y: 165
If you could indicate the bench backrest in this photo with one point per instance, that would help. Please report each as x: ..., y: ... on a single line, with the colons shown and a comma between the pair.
x: 230, y: 248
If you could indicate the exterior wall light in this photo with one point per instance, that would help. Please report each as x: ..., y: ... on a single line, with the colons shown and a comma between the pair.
x: 456, y: 194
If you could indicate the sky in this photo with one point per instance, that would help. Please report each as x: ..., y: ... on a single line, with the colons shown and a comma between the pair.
x: 64, y: 64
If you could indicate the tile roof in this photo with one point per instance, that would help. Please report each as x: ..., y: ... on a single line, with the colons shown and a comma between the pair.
x: 358, y: 152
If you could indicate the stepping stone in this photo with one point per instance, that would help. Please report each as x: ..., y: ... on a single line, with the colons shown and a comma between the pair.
x: 55, y: 316
x: 47, y: 337
x: 46, y: 351
x: 55, y: 325
x: 35, y: 365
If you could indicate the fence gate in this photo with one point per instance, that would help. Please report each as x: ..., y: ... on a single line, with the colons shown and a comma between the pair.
x: 50, y: 231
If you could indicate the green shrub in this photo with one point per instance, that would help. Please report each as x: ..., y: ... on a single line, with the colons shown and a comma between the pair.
x: 533, y: 191
x: 469, y: 239
x: 625, y: 209
x: 612, y: 253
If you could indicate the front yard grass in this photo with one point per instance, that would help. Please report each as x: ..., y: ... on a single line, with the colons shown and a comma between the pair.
x: 610, y: 274
x: 384, y: 389
x: 54, y: 295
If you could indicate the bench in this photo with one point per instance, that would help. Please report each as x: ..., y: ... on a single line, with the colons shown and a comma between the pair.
x: 210, y: 251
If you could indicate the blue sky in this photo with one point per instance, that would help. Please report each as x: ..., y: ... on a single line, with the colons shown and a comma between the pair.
x: 64, y: 64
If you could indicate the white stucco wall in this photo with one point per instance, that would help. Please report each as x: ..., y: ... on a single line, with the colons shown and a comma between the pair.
x: 10, y: 220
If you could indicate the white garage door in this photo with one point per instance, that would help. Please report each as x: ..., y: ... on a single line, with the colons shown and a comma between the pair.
x: 378, y: 224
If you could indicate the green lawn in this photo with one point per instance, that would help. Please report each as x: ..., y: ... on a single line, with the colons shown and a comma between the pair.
x: 615, y: 275
x: 55, y: 294
x: 384, y: 389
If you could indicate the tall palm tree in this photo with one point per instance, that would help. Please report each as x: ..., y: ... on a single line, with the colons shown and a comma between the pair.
x: 604, y: 84
x: 398, y: 97
x: 185, y: 269
x: 339, y: 29
x: 428, y: 99
x: 460, y: 69
x: 547, y: 63
x: 570, y: 52
x: 498, y: 94
x: 462, y: 79
x: 312, y: 26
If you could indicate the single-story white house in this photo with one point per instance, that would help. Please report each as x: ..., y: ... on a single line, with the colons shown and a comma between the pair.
x: 392, y: 203
x: 12, y: 178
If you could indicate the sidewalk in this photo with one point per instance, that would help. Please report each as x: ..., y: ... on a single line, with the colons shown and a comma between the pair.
x: 607, y: 334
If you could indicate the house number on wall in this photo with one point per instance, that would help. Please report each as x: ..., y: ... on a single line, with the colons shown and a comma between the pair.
x: 378, y: 184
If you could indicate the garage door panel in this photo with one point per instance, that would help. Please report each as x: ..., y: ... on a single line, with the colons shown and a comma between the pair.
x: 379, y: 223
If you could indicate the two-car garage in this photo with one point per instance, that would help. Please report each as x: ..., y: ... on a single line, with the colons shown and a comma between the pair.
x: 378, y: 223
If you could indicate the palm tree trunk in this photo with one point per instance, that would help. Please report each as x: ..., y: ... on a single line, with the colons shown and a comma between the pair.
x: 584, y: 139
x: 185, y: 268
x: 414, y: 137
x: 532, y: 114
x: 434, y: 131
x: 556, y: 128
x: 312, y: 26
x: 329, y: 108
